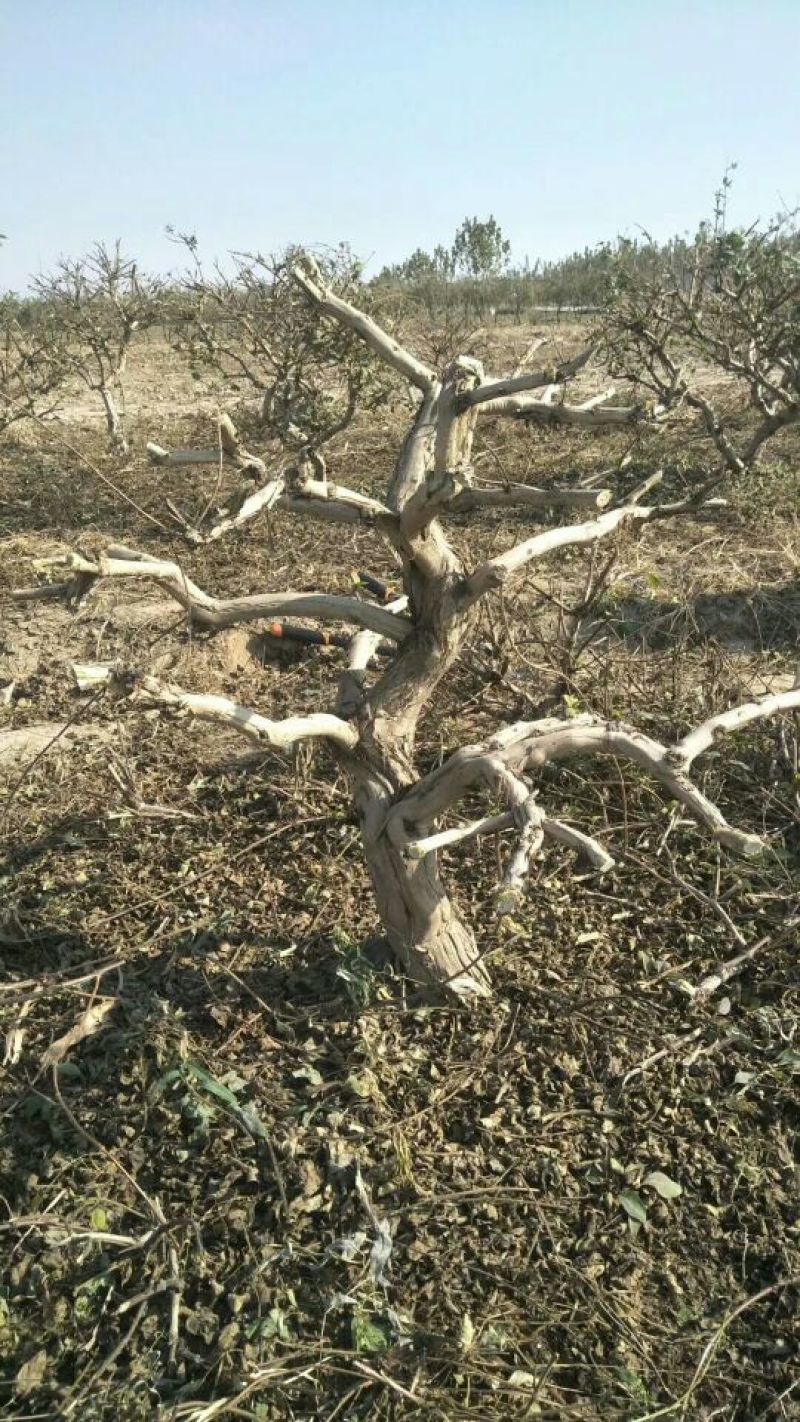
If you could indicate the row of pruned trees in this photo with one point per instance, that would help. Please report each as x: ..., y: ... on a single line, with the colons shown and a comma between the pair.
x: 244, y: 323
x: 678, y: 323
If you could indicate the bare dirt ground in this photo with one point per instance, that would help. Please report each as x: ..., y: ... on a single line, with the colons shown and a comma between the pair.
x: 270, y: 1184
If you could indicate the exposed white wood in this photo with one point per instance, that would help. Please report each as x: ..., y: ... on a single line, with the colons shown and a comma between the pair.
x: 363, y: 649
x: 646, y: 487
x: 510, y: 496
x: 495, y: 572
x: 544, y: 413
x: 704, y: 736
x: 529, y: 745
x: 228, y: 449
x: 595, y: 400
x: 336, y: 493
x: 263, y: 498
x: 491, y: 824
x: 491, y: 390
x: 222, y: 710
x: 217, y: 613
x: 565, y: 834
x: 210, y: 454
x: 529, y: 820
x: 590, y: 848
x: 307, y: 277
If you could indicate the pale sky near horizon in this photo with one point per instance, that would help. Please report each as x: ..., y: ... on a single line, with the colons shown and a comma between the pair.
x: 256, y: 123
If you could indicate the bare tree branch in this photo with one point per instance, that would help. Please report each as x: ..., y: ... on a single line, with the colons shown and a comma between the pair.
x: 529, y: 745
x: 492, y: 390
x: 543, y: 412
x: 225, y: 712
x: 509, y: 496
x: 705, y: 735
x: 494, y: 573
x: 250, y: 507
x: 307, y: 277
x: 217, y: 613
x: 363, y: 649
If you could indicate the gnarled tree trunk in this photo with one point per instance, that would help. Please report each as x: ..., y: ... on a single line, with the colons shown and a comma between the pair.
x: 116, y: 432
x: 433, y: 942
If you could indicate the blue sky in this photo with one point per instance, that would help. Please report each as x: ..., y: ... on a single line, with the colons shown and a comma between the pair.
x: 257, y: 123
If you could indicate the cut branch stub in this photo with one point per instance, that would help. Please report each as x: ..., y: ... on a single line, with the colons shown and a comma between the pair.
x: 455, y: 426
x: 451, y: 451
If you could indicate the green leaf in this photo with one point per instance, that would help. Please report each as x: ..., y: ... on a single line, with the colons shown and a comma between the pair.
x: 368, y: 1335
x: 661, y: 1183
x: 633, y: 1205
x: 247, y: 1114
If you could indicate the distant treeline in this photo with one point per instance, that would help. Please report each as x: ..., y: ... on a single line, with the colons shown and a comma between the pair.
x: 476, y: 273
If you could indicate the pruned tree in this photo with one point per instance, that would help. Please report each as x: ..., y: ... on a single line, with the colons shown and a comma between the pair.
x: 406, y: 818
x: 99, y: 303
x: 251, y: 326
x: 729, y: 305
x: 33, y: 365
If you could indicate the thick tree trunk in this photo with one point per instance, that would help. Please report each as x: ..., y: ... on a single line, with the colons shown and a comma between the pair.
x: 435, y: 946
x: 116, y: 433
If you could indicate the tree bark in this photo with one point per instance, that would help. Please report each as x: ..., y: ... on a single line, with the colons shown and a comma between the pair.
x: 437, y: 948
x: 116, y: 433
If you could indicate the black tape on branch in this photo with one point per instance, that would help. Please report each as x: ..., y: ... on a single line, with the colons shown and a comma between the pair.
x: 375, y: 586
x: 312, y: 637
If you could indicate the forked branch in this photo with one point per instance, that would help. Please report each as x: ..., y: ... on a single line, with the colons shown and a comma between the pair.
x: 502, y: 761
x: 218, y: 613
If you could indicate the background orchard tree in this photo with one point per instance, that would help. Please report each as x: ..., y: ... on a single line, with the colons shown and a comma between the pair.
x: 33, y: 362
x: 252, y: 326
x: 429, y: 301
x: 99, y: 303
x: 729, y: 302
x: 406, y: 816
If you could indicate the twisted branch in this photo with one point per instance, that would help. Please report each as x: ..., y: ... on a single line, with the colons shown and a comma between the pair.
x: 218, y: 613
x: 501, y: 761
x: 231, y: 714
